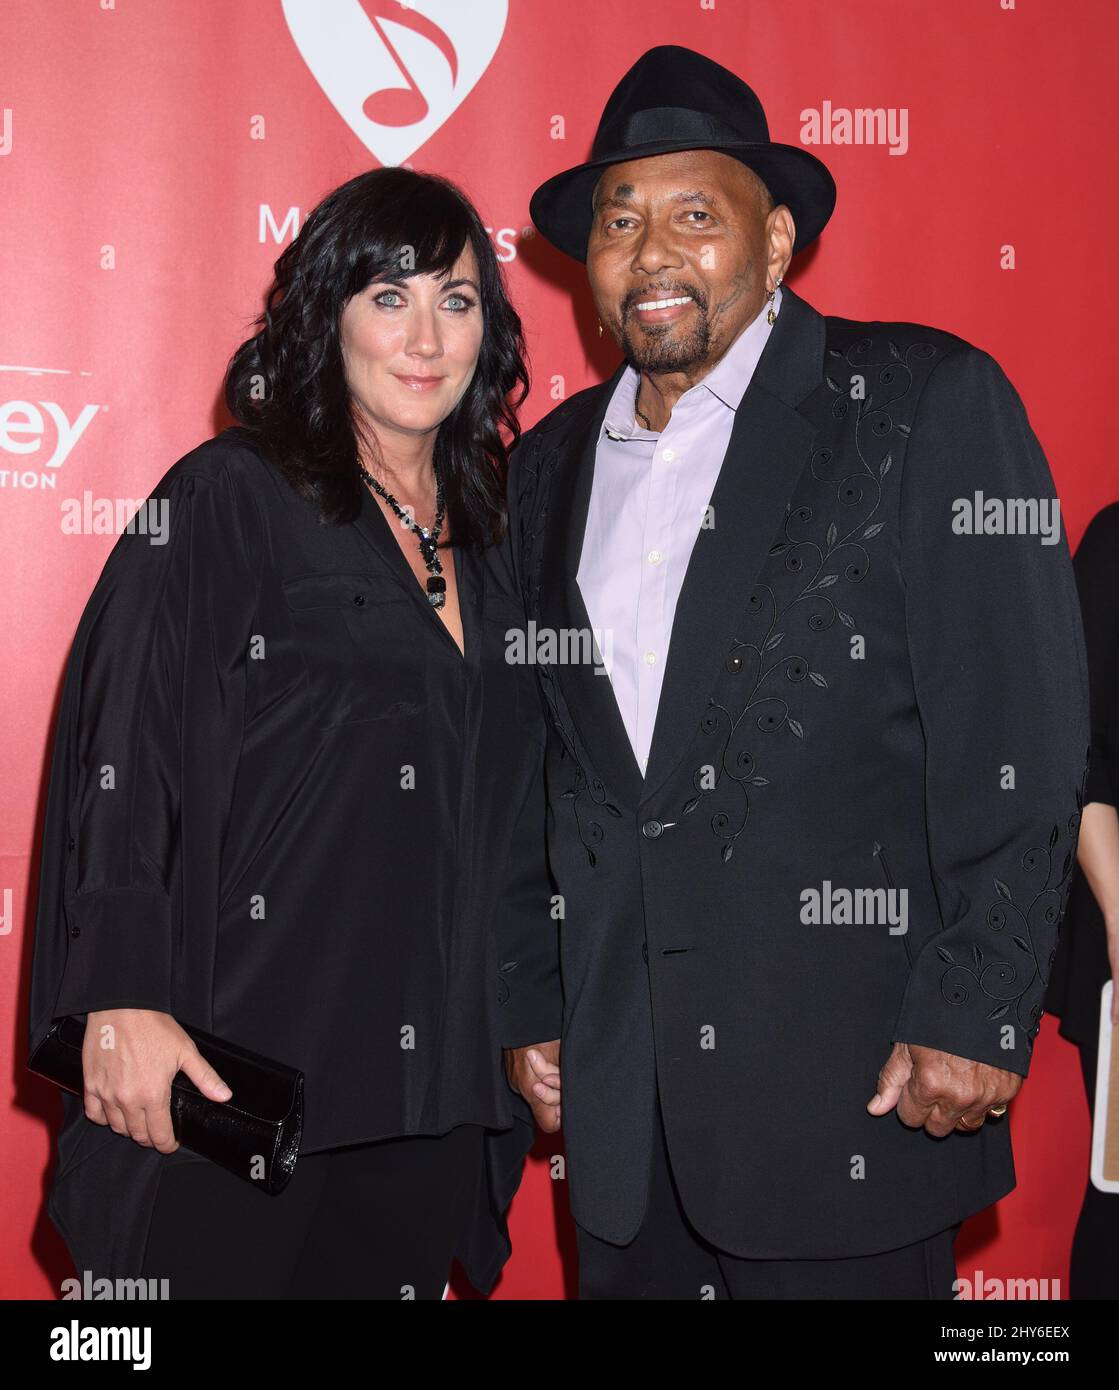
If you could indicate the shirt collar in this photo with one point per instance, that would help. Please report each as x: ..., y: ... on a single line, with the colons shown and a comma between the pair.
x: 727, y: 381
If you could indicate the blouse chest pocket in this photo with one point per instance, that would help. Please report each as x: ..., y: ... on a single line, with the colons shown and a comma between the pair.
x: 357, y: 636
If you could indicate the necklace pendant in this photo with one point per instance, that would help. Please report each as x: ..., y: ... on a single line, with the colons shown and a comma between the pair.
x: 436, y: 591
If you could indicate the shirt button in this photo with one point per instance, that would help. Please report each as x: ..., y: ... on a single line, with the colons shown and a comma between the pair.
x: 651, y: 829
x: 645, y: 952
x: 650, y: 658
x: 654, y: 557
x: 668, y: 455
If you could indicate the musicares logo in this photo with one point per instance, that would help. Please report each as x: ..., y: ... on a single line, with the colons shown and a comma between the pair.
x: 396, y: 70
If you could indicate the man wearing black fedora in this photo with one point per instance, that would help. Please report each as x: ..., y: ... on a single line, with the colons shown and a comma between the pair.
x: 814, y: 787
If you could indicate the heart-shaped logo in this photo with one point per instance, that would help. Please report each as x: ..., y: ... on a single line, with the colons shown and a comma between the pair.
x: 395, y: 70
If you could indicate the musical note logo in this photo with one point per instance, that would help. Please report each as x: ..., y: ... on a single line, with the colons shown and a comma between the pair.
x: 403, y: 105
x: 396, y: 72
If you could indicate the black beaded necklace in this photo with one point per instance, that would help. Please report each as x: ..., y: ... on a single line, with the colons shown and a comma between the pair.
x: 429, y: 536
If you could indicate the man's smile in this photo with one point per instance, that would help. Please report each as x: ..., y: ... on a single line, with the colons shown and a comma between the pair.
x: 662, y: 310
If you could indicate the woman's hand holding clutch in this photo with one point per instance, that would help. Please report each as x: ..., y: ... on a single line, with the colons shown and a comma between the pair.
x: 129, y: 1059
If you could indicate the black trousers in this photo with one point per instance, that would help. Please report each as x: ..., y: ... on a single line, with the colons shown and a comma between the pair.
x: 375, y: 1220
x: 667, y: 1259
x: 1094, y: 1267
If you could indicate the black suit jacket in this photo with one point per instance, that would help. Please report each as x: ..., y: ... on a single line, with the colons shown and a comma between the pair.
x: 855, y: 696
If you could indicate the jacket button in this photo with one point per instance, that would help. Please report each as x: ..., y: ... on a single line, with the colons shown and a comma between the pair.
x: 651, y: 829
x: 75, y: 931
x: 645, y: 952
x: 359, y: 600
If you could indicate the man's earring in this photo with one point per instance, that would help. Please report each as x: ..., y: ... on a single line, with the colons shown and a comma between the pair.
x: 771, y: 317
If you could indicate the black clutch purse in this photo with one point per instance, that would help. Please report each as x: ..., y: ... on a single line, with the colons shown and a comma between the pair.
x: 263, y: 1121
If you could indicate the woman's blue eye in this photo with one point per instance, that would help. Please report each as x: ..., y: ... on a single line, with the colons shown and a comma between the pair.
x: 457, y: 303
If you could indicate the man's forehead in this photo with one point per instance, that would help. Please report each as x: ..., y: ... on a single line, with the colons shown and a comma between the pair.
x: 697, y: 174
x: 625, y: 195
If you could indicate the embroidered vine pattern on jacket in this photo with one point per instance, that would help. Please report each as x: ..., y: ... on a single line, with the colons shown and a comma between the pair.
x: 819, y: 564
x: 587, y: 795
x: 1007, y: 979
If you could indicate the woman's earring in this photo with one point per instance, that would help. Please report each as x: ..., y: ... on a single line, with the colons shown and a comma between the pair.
x: 600, y: 328
x: 771, y: 317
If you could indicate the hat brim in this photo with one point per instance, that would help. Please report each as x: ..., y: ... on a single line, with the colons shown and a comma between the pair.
x: 561, y: 207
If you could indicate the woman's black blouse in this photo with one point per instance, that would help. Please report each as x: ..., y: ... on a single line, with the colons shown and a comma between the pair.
x: 286, y: 809
x: 1081, y: 968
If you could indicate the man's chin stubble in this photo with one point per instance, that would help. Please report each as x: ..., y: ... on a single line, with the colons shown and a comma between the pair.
x: 659, y: 352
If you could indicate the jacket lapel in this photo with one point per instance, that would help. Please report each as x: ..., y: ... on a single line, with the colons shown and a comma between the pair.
x: 587, y: 688
x: 769, y: 446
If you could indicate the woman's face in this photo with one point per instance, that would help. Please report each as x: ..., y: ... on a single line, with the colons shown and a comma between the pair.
x: 410, y: 346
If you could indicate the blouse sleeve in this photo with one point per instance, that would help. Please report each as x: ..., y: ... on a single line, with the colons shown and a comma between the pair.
x: 150, y: 723
x: 529, y: 987
x: 529, y: 993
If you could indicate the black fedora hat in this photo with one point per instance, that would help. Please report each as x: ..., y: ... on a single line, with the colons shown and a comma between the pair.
x: 673, y: 99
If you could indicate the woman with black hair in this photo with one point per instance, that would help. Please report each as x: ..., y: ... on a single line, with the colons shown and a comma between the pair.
x: 296, y: 799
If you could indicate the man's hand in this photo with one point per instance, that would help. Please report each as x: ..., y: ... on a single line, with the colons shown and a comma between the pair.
x: 938, y: 1091
x: 533, y: 1072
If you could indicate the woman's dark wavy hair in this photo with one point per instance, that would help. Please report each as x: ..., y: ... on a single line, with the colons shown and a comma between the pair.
x: 286, y: 385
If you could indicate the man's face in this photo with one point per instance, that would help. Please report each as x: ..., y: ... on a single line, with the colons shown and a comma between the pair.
x: 678, y: 254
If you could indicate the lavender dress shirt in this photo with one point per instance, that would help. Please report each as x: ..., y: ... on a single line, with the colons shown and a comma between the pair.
x: 649, y: 499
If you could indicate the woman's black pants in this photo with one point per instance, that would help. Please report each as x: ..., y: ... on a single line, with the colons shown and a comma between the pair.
x: 377, y: 1220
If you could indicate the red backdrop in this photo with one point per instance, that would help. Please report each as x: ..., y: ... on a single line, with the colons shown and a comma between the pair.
x: 155, y: 156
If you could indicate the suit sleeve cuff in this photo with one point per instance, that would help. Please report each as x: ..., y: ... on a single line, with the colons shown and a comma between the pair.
x: 944, y: 1009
